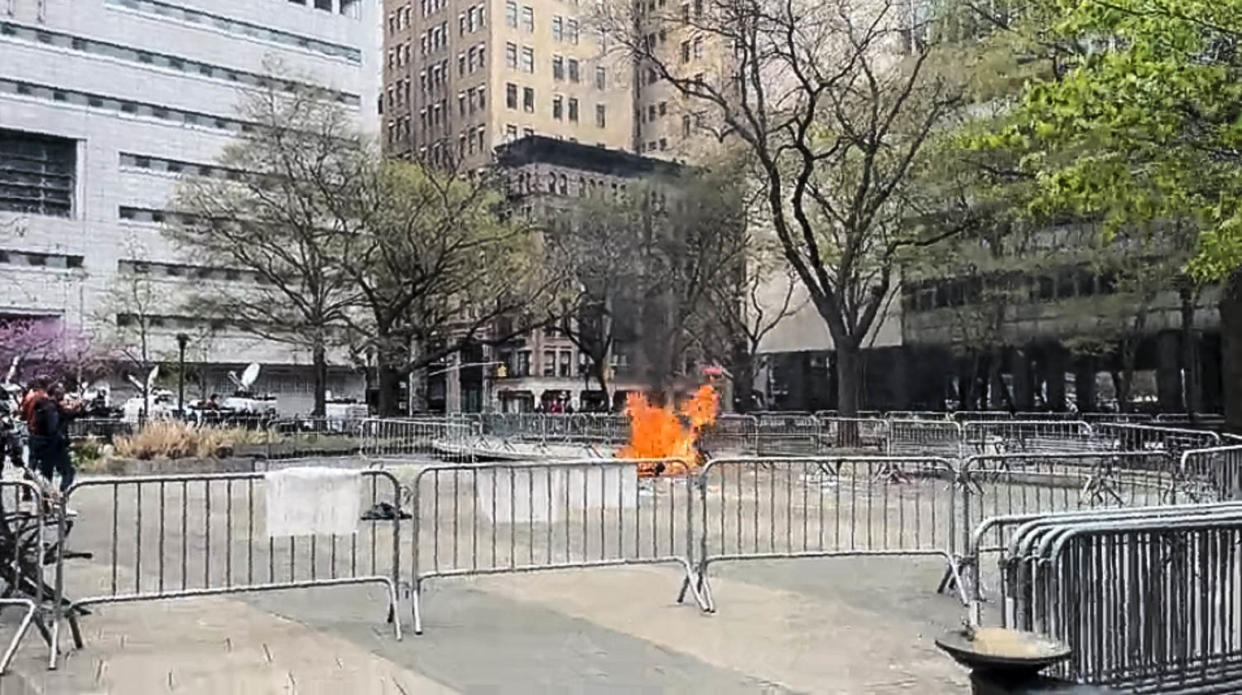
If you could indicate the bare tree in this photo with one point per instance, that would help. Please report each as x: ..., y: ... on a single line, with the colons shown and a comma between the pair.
x: 131, y: 312
x: 441, y: 259
x: 836, y: 103
x: 271, y: 212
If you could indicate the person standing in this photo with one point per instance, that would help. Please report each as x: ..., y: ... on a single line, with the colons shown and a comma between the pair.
x: 56, y: 458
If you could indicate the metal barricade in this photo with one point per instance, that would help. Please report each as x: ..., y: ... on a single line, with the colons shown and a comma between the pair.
x: 1218, y: 469
x: 1146, y: 603
x: 1175, y: 440
x: 1026, y: 436
x: 27, y: 539
x: 788, y: 508
x: 305, y: 436
x: 858, y: 436
x: 423, y: 439
x: 104, y: 429
x: 925, y: 438
x: 731, y: 433
x: 181, y: 536
x: 505, y: 518
x: 787, y: 434
x: 1007, y: 488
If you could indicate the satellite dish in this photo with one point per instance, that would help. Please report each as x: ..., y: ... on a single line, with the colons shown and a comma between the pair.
x: 151, y: 376
x: 233, y: 378
x: 8, y: 379
x: 134, y: 380
x: 249, y: 375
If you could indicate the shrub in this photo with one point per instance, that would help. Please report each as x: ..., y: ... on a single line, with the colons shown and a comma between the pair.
x: 171, y: 439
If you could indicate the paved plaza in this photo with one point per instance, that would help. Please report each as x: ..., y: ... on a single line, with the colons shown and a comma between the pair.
x: 834, y: 625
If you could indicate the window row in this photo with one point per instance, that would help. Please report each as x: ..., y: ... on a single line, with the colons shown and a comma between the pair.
x: 135, y: 108
x: 471, y: 100
x: 164, y: 60
x: 1067, y: 283
x: 233, y: 26
x: 348, y: 8
x: 433, y: 78
x: 399, y: 20
x: 527, y: 58
x: 185, y: 270
x: 471, y: 20
x: 174, y: 166
x: 430, y: 7
x: 472, y: 141
x: 561, y: 108
x: 434, y: 39
x: 35, y: 259
x: 563, y: 68
x: 527, y: 14
x: 471, y: 60
x: 564, y: 29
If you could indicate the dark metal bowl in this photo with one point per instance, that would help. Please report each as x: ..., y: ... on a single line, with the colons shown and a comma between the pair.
x: 1037, y: 653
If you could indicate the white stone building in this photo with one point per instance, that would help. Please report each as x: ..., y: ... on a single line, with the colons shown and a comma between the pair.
x: 102, y: 103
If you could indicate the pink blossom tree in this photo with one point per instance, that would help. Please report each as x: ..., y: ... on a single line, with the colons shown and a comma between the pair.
x: 47, y: 347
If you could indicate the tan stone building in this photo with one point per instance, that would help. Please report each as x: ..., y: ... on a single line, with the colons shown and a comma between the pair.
x: 464, y: 76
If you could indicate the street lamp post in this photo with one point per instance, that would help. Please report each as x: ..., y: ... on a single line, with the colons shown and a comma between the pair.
x: 182, y: 339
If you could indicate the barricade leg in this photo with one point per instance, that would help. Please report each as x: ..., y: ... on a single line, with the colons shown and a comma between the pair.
x: 416, y: 607
x: 22, y: 628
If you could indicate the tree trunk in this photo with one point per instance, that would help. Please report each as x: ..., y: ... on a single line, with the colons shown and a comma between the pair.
x: 1231, y: 350
x: 1129, y: 356
x: 319, y: 366
x: 387, y: 385
x: 1190, y: 352
x: 849, y: 379
x: 743, y: 382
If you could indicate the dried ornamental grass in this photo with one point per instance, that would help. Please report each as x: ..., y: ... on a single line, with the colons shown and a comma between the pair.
x: 171, y: 439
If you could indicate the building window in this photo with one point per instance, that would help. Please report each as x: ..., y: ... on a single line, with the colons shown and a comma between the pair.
x: 511, y: 132
x: 652, y: 76
x: 511, y: 14
x: 528, y: 59
x: 558, y: 28
x: 37, y: 173
x: 663, y: 143
x: 528, y: 99
x: 558, y: 68
x: 601, y: 119
x: 528, y: 18
x: 549, y: 363
x: 601, y: 78
x: 558, y: 107
x: 698, y: 47
x: 522, y: 368
x: 566, y: 363
x: 573, y: 110
x: 528, y: 132
x: 511, y: 55
x: 685, y: 51
x: 685, y: 126
x: 571, y: 30
x: 651, y: 112
x: 573, y: 69
x: 461, y: 62
x: 698, y: 8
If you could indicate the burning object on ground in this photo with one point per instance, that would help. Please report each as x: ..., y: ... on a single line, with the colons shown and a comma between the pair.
x: 661, y: 432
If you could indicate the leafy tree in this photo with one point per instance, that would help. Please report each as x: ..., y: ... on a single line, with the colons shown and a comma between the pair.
x: 1135, y: 123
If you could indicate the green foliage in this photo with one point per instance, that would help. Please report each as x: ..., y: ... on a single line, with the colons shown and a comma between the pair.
x: 1140, y: 121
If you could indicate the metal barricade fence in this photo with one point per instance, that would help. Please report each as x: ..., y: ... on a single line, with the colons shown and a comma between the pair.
x: 104, y: 429
x: 1014, y: 436
x: 1218, y: 470
x: 925, y: 438
x: 860, y: 436
x: 1012, y: 487
x: 419, y: 439
x: 27, y: 538
x: 732, y: 433
x: 503, y: 518
x: 787, y: 434
x: 180, y: 536
x: 1146, y: 604
x: 1134, y: 437
x: 823, y: 506
x: 296, y: 437
x: 1134, y: 418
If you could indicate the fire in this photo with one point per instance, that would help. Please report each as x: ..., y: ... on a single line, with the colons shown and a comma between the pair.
x: 661, y: 433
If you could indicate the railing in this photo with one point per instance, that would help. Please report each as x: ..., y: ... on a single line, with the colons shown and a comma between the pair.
x: 386, y: 439
x: 506, y: 518
x: 788, y: 508
x: 1005, y: 436
x: 181, y: 536
x: 1146, y: 599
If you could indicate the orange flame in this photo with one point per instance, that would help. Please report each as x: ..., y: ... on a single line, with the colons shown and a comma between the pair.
x: 659, y: 433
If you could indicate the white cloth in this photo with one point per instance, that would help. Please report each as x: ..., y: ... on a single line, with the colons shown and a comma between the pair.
x: 313, y: 501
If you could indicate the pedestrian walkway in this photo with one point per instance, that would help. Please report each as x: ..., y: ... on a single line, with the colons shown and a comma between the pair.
x: 807, y: 627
